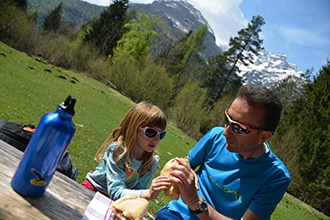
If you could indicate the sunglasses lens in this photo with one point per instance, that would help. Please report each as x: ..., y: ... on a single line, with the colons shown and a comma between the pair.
x: 162, y: 135
x: 237, y: 128
x: 150, y: 133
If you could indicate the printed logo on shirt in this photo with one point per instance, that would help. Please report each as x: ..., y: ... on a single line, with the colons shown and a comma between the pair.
x: 131, y: 178
x: 237, y: 196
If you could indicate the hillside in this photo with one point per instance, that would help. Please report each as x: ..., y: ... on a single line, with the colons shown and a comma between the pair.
x: 31, y: 87
x: 75, y: 12
x: 180, y: 17
x: 274, y: 67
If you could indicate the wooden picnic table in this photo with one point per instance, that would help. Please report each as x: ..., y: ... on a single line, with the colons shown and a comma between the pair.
x: 64, y: 198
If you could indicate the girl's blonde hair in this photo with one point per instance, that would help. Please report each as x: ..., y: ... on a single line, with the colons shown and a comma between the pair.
x: 125, y: 134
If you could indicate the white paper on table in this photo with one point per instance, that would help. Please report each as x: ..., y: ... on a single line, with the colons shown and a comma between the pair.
x: 99, y: 208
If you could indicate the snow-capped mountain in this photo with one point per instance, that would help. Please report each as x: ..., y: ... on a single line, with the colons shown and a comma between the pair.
x: 268, y: 68
x: 181, y: 17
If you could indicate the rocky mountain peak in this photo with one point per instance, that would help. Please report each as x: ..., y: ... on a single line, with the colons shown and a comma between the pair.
x: 268, y: 68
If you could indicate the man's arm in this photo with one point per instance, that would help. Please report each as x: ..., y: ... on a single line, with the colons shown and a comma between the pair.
x: 186, y: 178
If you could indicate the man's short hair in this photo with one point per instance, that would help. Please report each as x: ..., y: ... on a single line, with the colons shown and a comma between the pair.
x: 263, y: 98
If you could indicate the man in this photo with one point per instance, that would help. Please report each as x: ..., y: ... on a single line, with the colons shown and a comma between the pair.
x: 238, y: 175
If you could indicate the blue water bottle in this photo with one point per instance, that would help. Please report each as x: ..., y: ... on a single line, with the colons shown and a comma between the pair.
x: 45, y: 150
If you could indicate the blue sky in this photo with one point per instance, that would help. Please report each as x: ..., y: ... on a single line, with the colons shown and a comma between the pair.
x: 298, y: 28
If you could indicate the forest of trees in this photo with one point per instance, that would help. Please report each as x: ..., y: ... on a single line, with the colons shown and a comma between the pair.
x: 133, y: 53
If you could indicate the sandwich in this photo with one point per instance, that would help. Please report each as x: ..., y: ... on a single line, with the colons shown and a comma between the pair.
x: 130, y: 207
x: 173, y: 191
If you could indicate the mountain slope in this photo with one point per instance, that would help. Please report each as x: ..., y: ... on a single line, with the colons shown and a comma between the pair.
x: 267, y: 69
x: 180, y: 18
x: 74, y: 12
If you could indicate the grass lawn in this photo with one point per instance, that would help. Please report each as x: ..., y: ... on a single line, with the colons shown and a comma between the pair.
x: 30, y: 88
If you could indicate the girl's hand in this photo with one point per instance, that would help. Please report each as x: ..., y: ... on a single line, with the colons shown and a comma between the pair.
x: 158, y: 184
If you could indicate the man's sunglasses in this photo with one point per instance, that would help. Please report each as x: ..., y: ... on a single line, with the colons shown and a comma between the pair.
x: 238, y: 127
x: 151, y: 133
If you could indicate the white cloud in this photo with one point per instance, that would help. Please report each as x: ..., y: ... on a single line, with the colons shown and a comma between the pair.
x: 99, y: 2
x: 303, y: 37
x: 224, y: 17
x: 143, y: 1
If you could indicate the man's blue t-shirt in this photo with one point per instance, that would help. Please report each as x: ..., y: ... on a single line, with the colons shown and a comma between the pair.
x: 230, y: 184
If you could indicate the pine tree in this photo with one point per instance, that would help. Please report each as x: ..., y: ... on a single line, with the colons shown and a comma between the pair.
x: 224, y: 67
x: 309, y: 116
x: 314, y: 154
x: 141, y: 35
x: 53, y: 19
x: 182, y: 60
x: 22, y: 4
x: 109, y: 28
x: 173, y: 54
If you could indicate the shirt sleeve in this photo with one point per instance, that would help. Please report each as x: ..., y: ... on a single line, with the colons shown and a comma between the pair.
x: 199, y: 153
x: 264, y: 202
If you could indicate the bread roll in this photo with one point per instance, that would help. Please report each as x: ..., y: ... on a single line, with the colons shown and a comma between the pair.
x: 130, y: 207
x: 173, y: 191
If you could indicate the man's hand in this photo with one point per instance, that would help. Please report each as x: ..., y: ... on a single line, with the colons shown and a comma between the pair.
x: 186, y: 180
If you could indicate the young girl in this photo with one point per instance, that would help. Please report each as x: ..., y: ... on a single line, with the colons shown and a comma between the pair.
x: 126, y: 157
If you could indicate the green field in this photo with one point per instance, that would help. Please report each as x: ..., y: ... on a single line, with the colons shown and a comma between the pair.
x: 30, y: 87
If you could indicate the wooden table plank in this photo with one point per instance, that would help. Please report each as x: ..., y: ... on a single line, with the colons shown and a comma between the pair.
x: 64, y: 198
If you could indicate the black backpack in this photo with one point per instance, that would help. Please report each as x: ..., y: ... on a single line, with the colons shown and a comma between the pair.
x: 19, y: 135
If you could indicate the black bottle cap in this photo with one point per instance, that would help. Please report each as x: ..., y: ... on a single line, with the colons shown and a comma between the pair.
x: 68, y: 105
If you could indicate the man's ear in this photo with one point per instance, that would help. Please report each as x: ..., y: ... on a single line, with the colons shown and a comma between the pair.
x: 265, y: 135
